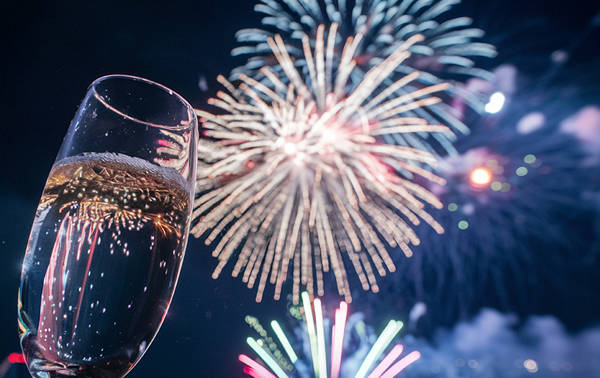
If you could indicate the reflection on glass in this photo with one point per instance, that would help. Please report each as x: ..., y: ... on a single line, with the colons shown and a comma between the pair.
x: 110, y: 231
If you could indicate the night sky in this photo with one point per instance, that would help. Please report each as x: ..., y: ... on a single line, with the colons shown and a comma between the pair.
x: 52, y: 52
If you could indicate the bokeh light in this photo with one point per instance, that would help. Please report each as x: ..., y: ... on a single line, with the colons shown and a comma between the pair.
x: 496, y: 103
x: 531, y: 366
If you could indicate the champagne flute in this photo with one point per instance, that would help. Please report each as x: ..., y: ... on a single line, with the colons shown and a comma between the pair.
x: 110, y: 231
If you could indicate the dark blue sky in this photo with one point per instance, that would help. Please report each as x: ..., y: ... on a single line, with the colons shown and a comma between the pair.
x: 52, y: 52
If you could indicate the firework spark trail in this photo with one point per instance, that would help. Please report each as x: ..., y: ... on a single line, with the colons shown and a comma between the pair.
x: 297, y: 174
x: 449, y: 49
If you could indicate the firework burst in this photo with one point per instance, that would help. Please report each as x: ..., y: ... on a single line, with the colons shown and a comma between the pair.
x: 447, y: 49
x: 339, y: 347
x: 299, y: 175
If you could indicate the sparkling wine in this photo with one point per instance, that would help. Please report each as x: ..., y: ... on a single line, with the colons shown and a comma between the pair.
x: 102, y: 219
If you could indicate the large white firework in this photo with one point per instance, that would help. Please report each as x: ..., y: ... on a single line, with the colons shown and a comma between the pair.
x: 294, y: 173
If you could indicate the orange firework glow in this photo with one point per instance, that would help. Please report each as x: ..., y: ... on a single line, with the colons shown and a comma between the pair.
x: 480, y: 177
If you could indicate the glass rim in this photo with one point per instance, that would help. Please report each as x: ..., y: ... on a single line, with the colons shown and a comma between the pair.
x: 185, y: 123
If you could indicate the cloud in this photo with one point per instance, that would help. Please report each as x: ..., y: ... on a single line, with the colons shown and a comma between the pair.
x: 498, y: 345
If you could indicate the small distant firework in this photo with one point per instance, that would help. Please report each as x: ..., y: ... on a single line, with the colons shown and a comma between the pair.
x: 513, y: 194
x: 349, y: 337
x: 448, y: 50
x: 508, y: 207
x: 299, y: 174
